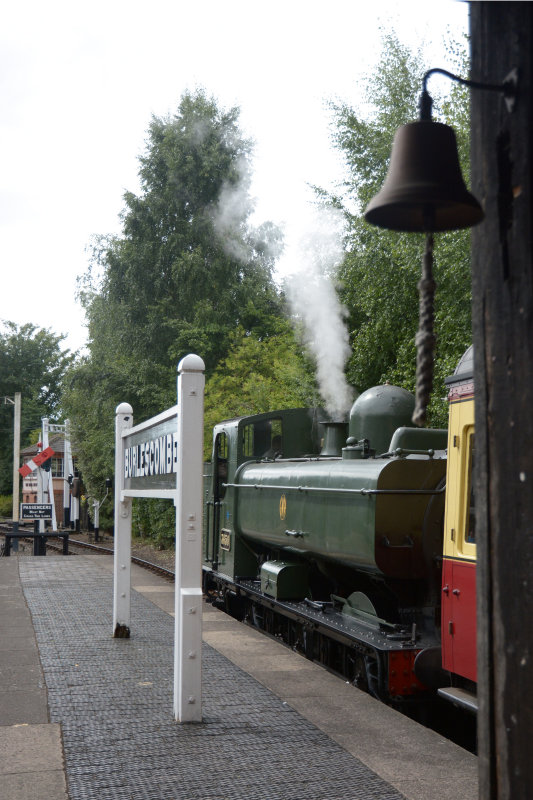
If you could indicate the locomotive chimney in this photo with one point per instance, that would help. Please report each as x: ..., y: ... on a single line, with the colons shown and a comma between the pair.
x: 335, y: 434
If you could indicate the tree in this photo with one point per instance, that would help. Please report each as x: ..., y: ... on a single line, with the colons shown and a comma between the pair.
x: 382, y: 268
x: 259, y: 375
x: 33, y: 363
x: 186, y: 248
x: 186, y: 272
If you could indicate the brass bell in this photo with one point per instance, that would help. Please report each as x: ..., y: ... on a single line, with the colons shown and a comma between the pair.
x: 424, y: 188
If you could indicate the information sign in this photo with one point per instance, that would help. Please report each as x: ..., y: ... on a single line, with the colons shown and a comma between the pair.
x: 36, y: 511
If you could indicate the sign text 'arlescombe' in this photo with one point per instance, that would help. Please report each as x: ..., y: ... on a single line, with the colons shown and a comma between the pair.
x: 155, y: 457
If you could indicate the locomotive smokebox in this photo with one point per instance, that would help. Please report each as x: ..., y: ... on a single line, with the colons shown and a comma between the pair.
x: 378, y: 412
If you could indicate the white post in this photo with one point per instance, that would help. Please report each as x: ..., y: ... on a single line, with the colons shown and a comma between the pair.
x: 68, y: 469
x: 41, y: 486
x: 52, y: 498
x: 188, y: 595
x: 16, y: 459
x: 75, y: 513
x: 48, y: 482
x: 122, y: 556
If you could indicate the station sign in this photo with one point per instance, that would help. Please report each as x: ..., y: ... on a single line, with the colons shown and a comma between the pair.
x: 150, y: 454
x: 36, y: 510
x: 163, y: 457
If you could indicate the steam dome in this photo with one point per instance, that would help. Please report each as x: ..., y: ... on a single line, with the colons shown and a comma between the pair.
x: 378, y: 412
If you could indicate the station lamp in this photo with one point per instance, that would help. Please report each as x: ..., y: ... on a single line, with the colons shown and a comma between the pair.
x: 424, y: 192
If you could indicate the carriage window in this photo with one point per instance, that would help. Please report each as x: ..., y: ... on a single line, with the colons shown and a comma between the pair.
x: 470, y: 517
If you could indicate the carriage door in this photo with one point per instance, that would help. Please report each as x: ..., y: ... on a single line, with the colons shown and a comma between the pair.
x: 216, y: 503
x: 459, y: 566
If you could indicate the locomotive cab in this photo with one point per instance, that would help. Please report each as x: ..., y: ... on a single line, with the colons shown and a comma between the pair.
x: 289, y: 433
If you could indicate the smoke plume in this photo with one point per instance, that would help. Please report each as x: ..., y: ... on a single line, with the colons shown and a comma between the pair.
x: 311, y: 291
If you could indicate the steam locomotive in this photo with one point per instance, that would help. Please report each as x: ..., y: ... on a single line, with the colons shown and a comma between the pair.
x: 353, y: 542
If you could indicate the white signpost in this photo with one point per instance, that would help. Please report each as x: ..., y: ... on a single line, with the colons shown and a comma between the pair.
x: 163, y: 457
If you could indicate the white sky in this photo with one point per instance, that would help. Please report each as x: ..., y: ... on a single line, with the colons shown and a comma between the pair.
x: 80, y: 81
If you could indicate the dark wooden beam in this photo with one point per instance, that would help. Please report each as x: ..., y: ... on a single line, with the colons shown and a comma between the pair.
x: 502, y: 281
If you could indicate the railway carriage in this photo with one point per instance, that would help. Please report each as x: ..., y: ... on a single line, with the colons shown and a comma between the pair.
x: 458, y: 629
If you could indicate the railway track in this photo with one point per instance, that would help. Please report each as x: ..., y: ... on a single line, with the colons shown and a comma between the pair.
x: 96, y: 548
x: 149, y: 565
x: 76, y: 545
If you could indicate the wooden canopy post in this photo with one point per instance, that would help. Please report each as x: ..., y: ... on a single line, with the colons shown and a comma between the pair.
x: 502, y: 283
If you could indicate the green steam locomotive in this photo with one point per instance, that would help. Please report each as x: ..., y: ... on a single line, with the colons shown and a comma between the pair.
x: 329, y: 535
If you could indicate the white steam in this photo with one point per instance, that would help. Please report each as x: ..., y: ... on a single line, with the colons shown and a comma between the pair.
x: 312, y: 258
x: 230, y: 214
x: 315, y: 257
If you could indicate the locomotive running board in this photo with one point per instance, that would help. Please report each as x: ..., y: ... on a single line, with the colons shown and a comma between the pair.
x: 345, y: 629
x: 459, y: 697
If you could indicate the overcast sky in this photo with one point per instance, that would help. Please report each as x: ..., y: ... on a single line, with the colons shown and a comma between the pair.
x: 79, y: 83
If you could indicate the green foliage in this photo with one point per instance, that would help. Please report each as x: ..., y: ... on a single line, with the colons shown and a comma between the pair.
x: 90, y: 400
x: 381, y: 269
x: 186, y: 247
x: 389, y: 100
x: 259, y: 375
x: 6, y: 506
x: 185, y: 273
x: 156, y: 520
x: 189, y: 274
x: 33, y: 363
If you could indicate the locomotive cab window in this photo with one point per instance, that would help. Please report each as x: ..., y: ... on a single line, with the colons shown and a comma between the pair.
x: 221, y: 464
x: 262, y: 440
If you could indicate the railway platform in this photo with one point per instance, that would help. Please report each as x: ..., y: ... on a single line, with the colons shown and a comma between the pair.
x: 84, y: 716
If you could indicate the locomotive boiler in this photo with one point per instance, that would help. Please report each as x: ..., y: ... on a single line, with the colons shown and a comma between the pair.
x: 330, y: 536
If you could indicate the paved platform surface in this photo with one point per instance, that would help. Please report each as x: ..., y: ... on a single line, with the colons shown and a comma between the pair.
x: 31, y: 751
x: 292, y: 732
